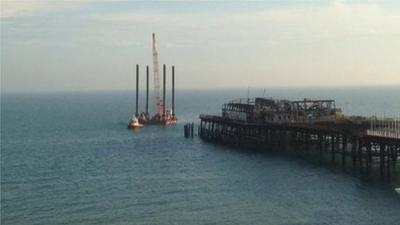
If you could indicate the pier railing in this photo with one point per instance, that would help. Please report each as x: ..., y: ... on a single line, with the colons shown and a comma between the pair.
x: 250, y: 101
x: 384, y: 127
x: 379, y: 127
x: 384, y: 133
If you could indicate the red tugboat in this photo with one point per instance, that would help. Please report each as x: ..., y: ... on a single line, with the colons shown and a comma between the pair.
x: 162, y: 116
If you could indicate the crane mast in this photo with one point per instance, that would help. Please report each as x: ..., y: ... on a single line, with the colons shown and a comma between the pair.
x: 156, y: 78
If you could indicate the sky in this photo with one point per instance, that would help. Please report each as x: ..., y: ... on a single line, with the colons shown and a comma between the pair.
x: 87, y: 45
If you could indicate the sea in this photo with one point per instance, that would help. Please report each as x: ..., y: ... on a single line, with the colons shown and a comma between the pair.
x: 68, y: 158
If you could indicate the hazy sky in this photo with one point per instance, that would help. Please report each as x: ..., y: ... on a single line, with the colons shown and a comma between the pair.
x: 94, y: 45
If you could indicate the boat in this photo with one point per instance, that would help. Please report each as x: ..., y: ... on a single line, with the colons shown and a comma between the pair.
x: 134, y: 123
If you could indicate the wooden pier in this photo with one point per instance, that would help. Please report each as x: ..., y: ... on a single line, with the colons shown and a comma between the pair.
x: 349, y: 141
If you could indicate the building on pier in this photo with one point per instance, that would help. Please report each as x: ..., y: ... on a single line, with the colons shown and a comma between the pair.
x: 281, y: 111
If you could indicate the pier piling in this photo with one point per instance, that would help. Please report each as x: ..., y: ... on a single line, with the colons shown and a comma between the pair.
x: 188, y: 130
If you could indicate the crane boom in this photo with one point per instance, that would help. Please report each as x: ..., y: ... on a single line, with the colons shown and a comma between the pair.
x: 156, y: 78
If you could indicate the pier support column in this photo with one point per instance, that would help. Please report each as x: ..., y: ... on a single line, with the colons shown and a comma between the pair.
x: 353, y: 151
x: 201, y: 128
x: 333, y: 148
x: 368, y: 158
x: 344, y: 148
x: 320, y: 146
x: 359, y: 155
x: 394, y: 155
x: 212, y: 131
x: 381, y: 158
x: 388, y: 160
x: 307, y: 139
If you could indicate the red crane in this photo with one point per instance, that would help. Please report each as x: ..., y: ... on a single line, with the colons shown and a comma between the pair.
x: 159, y: 103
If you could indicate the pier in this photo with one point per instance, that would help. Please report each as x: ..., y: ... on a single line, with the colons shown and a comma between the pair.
x: 310, y: 127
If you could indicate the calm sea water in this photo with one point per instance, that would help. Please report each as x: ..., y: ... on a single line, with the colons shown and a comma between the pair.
x: 69, y: 159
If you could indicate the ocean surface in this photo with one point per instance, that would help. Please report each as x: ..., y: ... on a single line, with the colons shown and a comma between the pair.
x: 68, y: 158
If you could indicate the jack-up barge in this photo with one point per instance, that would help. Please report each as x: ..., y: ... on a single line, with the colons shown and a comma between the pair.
x: 162, y: 115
